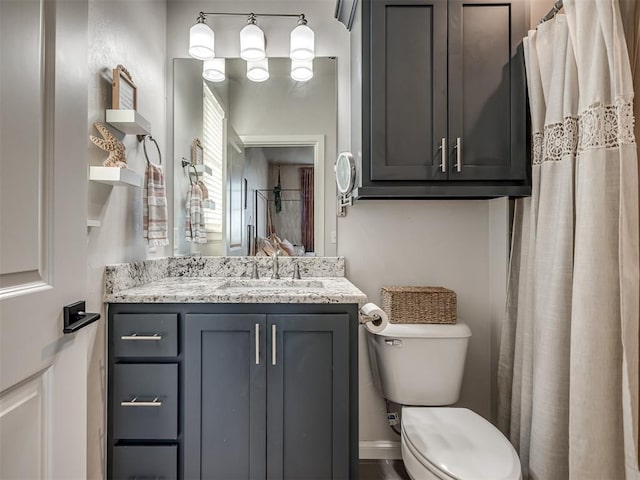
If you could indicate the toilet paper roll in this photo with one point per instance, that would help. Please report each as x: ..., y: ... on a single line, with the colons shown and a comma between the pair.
x: 373, y: 318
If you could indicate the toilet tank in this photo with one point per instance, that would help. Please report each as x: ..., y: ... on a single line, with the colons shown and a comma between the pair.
x: 419, y: 364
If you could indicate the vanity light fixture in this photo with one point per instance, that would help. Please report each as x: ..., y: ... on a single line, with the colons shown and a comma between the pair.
x: 252, y: 46
x: 302, y: 42
x: 252, y: 43
x: 258, y: 71
x: 301, y: 71
x: 201, y: 39
x: 214, y: 70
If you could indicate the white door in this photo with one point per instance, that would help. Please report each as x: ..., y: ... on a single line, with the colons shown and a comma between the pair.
x: 43, y: 183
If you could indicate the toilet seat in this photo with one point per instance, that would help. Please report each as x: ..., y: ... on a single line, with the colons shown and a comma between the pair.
x: 458, y: 444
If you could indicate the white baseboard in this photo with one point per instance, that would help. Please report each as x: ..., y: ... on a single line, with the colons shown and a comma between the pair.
x: 380, y: 449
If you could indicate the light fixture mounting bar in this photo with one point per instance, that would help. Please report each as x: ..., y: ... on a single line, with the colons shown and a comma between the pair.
x: 283, y: 15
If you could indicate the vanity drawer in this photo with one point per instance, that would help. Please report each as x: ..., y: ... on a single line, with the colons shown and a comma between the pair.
x: 145, y: 335
x: 157, y: 462
x: 145, y: 401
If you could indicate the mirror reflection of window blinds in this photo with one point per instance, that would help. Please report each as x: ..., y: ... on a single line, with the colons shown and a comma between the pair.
x: 213, y: 143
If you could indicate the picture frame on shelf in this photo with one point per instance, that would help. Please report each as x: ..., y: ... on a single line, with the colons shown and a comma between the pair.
x: 124, y: 90
x: 197, y: 152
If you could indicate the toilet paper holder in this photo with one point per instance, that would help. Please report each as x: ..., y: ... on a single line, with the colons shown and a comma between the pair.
x: 373, y: 318
x: 364, y: 318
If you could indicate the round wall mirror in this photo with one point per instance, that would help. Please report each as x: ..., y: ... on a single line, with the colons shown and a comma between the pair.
x: 345, y: 170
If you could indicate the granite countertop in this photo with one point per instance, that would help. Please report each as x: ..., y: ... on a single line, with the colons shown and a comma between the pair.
x: 225, y: 280
x: 213, y: 290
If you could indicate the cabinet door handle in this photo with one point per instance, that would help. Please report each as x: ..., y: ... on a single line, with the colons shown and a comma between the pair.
x: 257, y: 344
x: 443, y: 155
x: 273, y: 345
x: 458, y: 149
x: 135, y: 403
x: 142, y: 338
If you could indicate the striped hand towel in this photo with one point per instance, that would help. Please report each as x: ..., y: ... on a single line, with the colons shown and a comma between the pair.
x: 195, y: 230
x: 155, y: 228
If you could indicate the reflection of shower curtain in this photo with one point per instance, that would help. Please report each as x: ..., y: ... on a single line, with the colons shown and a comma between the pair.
x: 306, y: 185
x: 568, y: 371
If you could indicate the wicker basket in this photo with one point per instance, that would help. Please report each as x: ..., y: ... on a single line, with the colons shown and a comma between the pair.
x: 419, y: 304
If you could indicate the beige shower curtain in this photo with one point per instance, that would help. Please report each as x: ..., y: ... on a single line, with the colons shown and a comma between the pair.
x: 568, y: 372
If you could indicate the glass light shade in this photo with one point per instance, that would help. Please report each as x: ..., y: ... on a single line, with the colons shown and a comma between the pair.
x: 252, y: 43
x: 301, y: 71
x: 214, y: 70
x: 258, y: 71
x: 302, y: 43
x: 201, y: 41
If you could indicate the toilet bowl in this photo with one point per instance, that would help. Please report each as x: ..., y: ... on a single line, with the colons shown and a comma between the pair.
x: 420, y: 366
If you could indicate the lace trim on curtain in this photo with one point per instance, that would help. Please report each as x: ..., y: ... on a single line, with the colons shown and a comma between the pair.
x: 599, y: 126
x: 606, y: 126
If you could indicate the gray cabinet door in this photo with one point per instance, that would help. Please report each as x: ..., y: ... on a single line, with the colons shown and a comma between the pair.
x: 487, y: 90
x: 308, y: 397
x: 224, y: 397
x: 408, y: 82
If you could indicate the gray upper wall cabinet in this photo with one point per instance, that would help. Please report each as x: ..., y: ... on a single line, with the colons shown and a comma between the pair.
x: 444, y: 105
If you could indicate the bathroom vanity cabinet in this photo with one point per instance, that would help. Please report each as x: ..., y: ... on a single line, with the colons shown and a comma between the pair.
x: 221, y: 391
x: 443, y: 98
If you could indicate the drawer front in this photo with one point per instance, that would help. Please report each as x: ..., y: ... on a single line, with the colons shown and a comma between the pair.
x: 157, y: 462
x: 145, y: 401
x: 145, y: 335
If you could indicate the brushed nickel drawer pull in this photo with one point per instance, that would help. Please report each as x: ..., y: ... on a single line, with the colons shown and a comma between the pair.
x: 273, y: 345
x: 443, y: 155
x: 458, y: 148
x: 135, y: 337
x: 135, y: 403
x: 257, y: 344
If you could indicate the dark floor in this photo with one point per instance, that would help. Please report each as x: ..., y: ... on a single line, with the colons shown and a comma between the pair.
x: 382, y: 470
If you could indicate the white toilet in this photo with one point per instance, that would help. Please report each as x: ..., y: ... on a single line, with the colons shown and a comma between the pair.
x: 420, y: 366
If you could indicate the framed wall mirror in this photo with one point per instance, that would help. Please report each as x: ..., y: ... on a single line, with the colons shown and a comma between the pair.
x: 268, y: 150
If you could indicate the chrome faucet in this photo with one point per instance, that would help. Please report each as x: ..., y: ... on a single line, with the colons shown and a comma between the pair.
x: 276, y: 267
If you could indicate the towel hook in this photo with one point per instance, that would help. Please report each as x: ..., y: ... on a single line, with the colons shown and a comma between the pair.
x: 144, y: 147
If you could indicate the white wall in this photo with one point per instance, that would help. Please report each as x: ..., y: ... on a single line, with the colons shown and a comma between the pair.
x: 441, y: 243
x: 132, y: 34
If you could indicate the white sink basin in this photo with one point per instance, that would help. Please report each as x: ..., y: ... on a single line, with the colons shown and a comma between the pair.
x: 269, y: 284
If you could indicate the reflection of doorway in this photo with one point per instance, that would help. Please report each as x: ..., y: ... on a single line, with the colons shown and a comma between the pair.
x: 288, y: 154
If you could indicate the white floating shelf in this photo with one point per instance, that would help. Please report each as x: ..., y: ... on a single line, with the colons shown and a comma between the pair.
x: 115, y: 176
x: 129, y: 122
x: 93, y: 223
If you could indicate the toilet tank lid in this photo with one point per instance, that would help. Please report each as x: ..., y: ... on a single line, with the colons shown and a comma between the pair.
x: 426, y: 330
